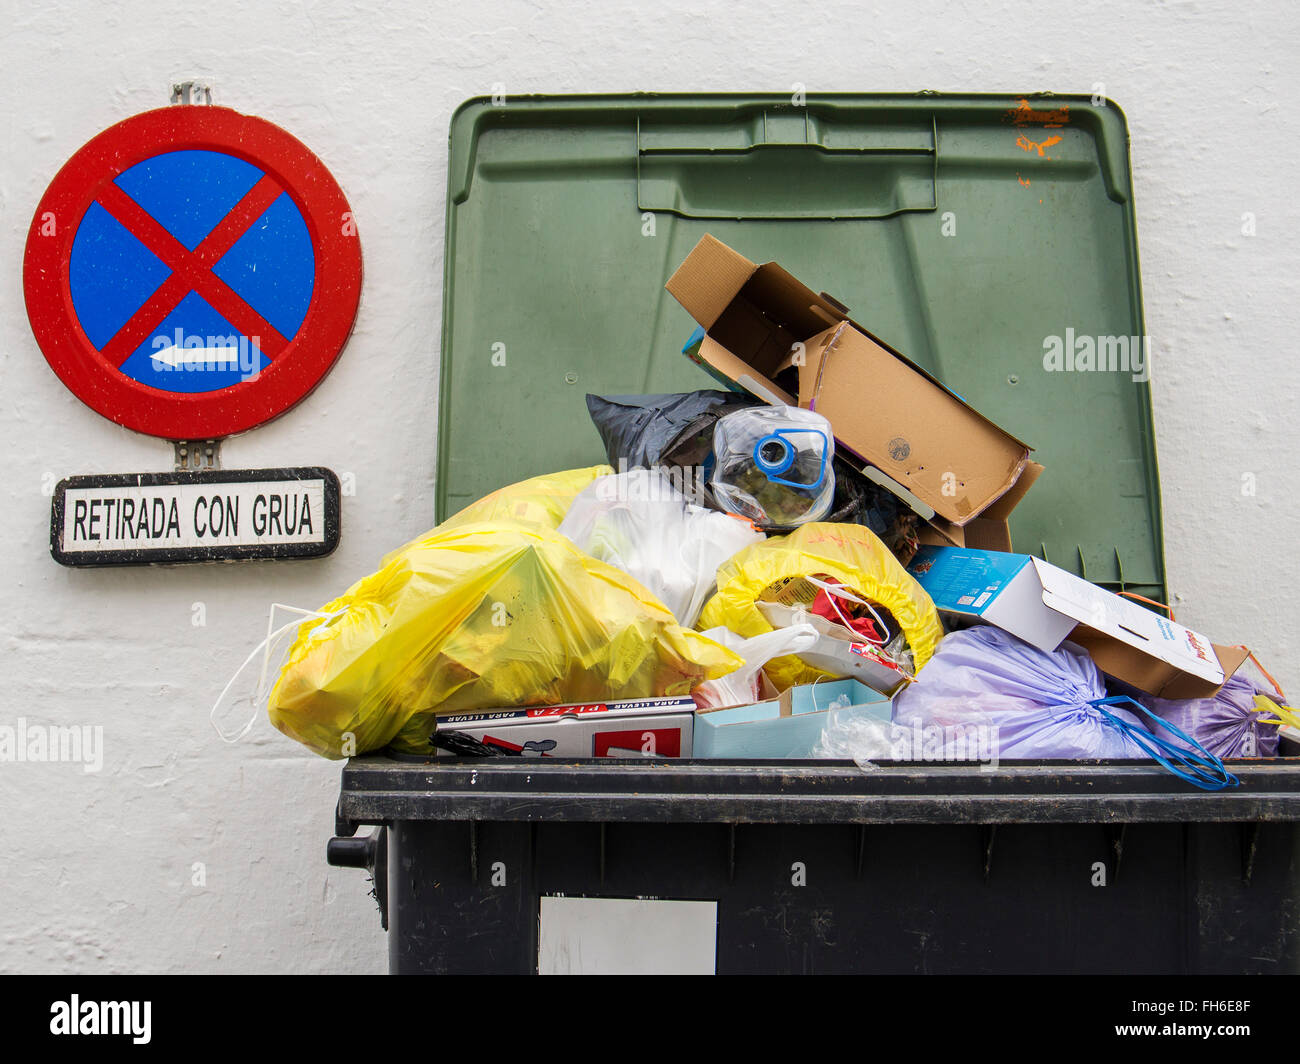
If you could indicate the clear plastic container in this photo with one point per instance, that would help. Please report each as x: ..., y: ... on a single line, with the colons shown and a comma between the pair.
x: 772, y: 464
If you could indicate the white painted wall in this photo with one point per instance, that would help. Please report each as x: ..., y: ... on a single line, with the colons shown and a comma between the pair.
x: 97, y: 870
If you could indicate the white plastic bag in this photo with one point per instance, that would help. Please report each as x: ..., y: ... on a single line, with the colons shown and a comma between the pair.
x: 742, y: 686
x: 640, y: 523
x: 852, y: 735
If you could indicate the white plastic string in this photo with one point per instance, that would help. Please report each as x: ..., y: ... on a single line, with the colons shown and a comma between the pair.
x: 273, y: 636
x: 813, y: 693
x: 834, y: 591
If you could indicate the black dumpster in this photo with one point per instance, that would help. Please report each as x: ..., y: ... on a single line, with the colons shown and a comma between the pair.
x: 825, y: 867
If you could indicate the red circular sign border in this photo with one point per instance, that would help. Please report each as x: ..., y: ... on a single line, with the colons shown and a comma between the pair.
x: 309, y: 355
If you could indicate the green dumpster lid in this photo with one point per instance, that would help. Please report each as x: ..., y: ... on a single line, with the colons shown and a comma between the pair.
x: 973, y: 233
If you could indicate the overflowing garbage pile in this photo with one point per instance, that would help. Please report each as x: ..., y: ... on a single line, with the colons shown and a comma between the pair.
x: 781, y: 569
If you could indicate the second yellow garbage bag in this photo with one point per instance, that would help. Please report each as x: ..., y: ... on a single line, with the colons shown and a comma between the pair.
x: 540, y: 500
x: 474, y: 617
x: 850, y: 555
x: 543, y: 500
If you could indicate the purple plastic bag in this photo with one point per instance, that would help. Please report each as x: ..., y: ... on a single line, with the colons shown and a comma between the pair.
x: 1028, y: 703
x: 1227, y: 724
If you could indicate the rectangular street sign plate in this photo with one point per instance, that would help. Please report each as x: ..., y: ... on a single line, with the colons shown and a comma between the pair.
x: 214, y: 515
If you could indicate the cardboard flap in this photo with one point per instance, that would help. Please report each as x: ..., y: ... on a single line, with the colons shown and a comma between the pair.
x: 988, y: 534
x: 1002, y: 507
x: 990, y: 530
x: 1126, y: 623
x: 1180, y: 685
x: 732, y: 368
x: 788, y: 301
x: 709, y: 279
x: 1125, y: 662
x: 786, y: 702
x: 1231, y: 658
x: 940, y: 533
x: 1147, y: 673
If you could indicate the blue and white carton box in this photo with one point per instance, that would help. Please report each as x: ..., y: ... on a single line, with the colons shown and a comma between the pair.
x: 999, y: 589
x: 1043, y: 605
x: 787, y: 727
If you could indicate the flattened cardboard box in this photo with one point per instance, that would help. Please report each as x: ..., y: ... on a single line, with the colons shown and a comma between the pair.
x: 920, y: 440
x: 644, y: 727
x: 1044, y: 605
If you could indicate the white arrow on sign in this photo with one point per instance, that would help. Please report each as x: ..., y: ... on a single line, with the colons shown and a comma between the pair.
x: 223, y: 357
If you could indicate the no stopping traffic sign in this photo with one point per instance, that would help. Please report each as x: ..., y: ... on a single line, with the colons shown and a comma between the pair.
x: 192, y: 272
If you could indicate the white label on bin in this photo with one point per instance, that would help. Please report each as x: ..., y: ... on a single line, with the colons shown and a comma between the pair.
x: 627, y: 936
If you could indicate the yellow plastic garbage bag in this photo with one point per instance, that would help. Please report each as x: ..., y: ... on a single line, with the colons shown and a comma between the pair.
x: 541, y: 500
x: 475, y: 617
x: 851, y: 555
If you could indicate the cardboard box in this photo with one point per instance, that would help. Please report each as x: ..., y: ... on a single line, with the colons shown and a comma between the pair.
x: 786, y: 727
x: 839, y: 651
x: 991, y: 529
x: 646, y: 727
x: 1044, y: 605
x: 918, y: 439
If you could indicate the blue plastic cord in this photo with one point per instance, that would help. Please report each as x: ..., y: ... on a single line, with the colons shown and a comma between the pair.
x: 1199, y: 767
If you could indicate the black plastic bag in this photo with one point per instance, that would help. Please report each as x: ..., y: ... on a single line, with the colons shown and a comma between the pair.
x: 860, y: 501
x: 655, y: 430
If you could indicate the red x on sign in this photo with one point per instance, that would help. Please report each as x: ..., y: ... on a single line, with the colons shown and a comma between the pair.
x: 191, y: 270
x: 174, y: 230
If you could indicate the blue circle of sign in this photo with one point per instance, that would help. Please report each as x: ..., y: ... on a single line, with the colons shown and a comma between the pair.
x: 270, y: 268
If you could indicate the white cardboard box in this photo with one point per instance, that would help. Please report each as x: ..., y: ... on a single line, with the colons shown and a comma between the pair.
x: 1043, y: 605
x: 644, y: 727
